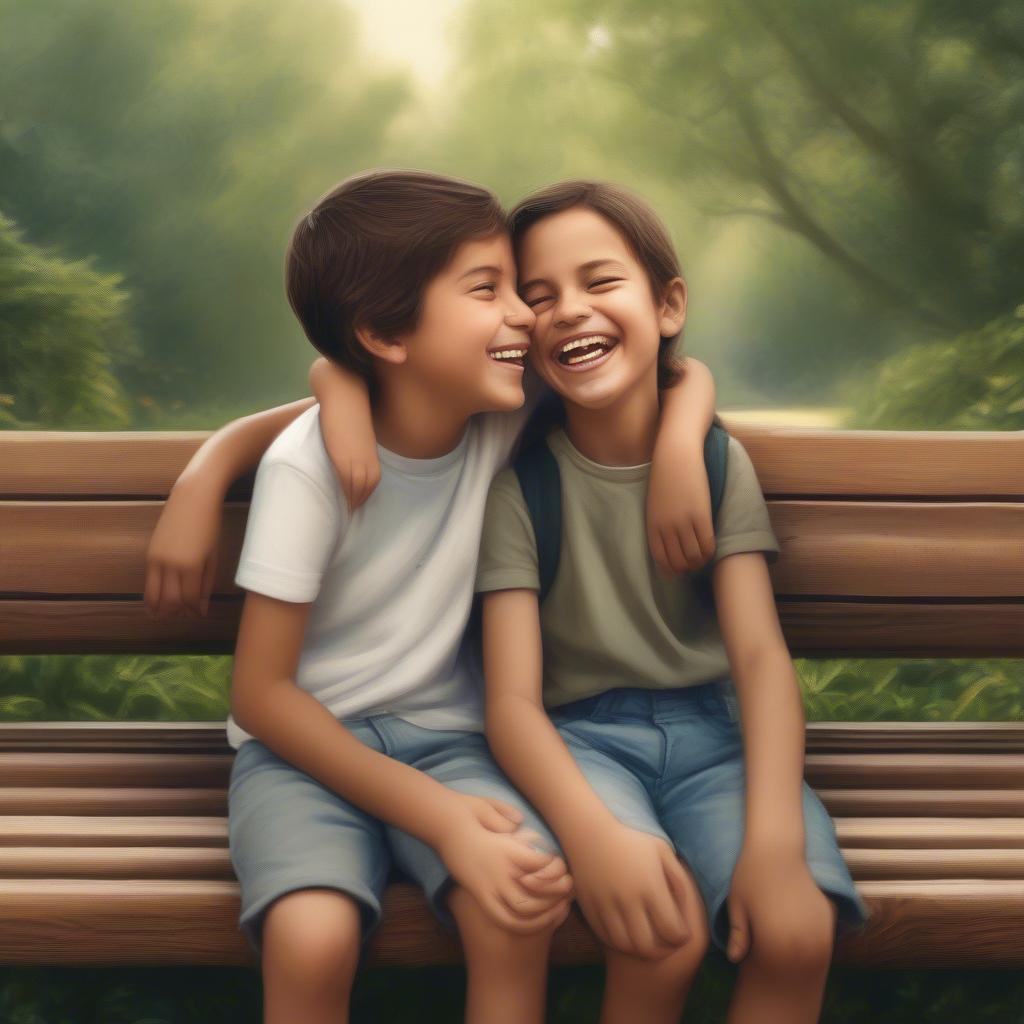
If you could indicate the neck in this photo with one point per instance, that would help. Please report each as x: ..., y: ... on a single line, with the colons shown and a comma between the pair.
x: 413, y: 423
x: 620, y: 434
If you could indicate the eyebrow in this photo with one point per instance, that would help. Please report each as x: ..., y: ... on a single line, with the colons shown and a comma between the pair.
x: 591, y: 265
x: 477, y: 270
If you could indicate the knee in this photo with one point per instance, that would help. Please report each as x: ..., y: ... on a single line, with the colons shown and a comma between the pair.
x: 480, y: 932
x: 312, y: 937
x: 798, y: 945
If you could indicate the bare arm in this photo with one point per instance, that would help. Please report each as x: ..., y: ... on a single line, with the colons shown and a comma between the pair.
x: 680, y: 531
x: 346, y: 423
x: 770, y: 702
x: 471, y: 834
x: 181, y: 559
x: 629, y: 884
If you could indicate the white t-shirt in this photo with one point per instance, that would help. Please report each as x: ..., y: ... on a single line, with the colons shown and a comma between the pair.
x: 391, y: 584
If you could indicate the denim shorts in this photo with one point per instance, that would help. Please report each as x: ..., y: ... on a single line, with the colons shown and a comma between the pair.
x: 288, y: 831
x: 670, y: 762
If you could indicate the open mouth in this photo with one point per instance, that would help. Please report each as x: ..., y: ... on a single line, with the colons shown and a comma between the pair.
x: 509, y: 356
x: 581, y: 352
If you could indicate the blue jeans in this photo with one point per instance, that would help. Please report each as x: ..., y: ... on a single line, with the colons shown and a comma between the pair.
x: 288, y: 831
x: 670, y: 762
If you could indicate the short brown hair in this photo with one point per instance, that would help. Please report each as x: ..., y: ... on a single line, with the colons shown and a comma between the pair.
x: 640, y: 226
x: 363, y: 256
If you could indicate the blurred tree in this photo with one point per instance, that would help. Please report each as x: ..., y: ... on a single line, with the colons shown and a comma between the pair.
x: 883, y: 135
x: 62, y: 327
x: 179, y: 143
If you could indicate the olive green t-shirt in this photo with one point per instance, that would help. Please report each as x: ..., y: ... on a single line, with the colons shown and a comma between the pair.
x: 610, y: 619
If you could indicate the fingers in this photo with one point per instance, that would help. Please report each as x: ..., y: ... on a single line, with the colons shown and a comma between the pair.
x: 209, y: 574
x: 525, y: 905
x: 550, y: 887
x: 170, y: 594
x: 526, y: 858
x: 657, y: 548
x: 739, y: 932
x: 669, y: 915
x: 507, y: 810
x: 191, y: 581
x: 512, y: 922
x: 151, y: 593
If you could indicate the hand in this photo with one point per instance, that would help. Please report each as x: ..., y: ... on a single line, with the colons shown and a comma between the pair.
x: 181, y: 560
x: 521, y: 889
x: 346, y: 424
x: 770, y: 890
x: 680, y: 531
x: 631, y: 889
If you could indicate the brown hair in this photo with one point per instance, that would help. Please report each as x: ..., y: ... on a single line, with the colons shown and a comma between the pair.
x: 363, y: 256
x: 638, y: 224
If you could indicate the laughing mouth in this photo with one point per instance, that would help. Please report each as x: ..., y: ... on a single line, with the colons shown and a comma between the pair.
x: 579, y: 351
x: 516, y: 356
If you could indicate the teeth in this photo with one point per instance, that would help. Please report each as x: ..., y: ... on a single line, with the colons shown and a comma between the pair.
x: 593, y: 339
x: 512, y: 353
x: 585, y: 358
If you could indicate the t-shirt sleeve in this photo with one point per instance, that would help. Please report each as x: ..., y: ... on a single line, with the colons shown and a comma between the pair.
x: 292, y: 530
x: 508, y: 550
x: 743, y: 521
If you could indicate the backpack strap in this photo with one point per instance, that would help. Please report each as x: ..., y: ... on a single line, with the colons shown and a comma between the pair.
x: 541, y: 483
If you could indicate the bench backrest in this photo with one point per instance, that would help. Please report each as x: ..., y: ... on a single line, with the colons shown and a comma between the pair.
x: 894, y: 543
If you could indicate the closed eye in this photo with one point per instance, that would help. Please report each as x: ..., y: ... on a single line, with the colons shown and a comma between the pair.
x: 604, y: 280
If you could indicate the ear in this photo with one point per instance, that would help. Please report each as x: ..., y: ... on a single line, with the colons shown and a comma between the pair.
x: 377, y: 345
x: 673, y: 308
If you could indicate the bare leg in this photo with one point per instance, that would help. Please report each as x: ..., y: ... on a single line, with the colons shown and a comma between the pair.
x: 639, y: 991
x: 782, y: 979
x: 311, y: 941
x: 507, y: 974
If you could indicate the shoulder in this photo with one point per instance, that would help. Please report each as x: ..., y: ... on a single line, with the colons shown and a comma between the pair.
x: 299, y: 453
x: 739, y: 467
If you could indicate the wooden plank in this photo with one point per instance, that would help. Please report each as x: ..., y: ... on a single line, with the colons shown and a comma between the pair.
x: 829, y: 549
x: 116, y: 800
x: 108, y: 922
x: 811, y: 628
x: 827, y: 771
x: 931, y: 833
x: 926, y: 771
x: 940, y: 803
x: 126, y: 862
x: 133, y: 862
x: 867, y: 864
x: 788, y: 460
x: 209, y: 737
x: 170, y: 830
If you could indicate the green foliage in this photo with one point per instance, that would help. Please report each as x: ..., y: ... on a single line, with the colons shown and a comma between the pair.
x: 62, y: 329
x: 974, y: 381
x: 179, y: 143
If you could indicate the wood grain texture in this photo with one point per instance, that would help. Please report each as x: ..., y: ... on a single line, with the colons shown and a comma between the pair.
x: 105, y: 922
x: 829, y: 549
x: 788, y: 460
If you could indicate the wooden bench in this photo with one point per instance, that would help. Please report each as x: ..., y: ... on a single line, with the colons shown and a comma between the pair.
x: 113, y: 836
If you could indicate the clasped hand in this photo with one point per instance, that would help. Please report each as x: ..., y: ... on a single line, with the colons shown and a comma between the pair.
x: 519, y: 887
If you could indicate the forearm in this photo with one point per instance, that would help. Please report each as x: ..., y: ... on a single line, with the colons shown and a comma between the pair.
x: 773, y: 739
x: 688, y: 408
x: 237, y: 448
x: 298, y: 728
x: 534, y: 756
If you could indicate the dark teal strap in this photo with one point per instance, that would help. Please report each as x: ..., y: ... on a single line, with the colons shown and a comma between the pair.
x: 541, y: 484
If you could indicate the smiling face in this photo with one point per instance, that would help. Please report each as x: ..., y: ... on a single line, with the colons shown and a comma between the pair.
x: 598, y: 325
x: 470, y: 342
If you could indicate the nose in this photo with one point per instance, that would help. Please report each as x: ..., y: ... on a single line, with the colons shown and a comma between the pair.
x: 520, y: 315
x: 571, y: 309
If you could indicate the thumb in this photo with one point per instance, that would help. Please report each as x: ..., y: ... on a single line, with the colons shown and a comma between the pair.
x: 496, y: 816
x: 739, y: 932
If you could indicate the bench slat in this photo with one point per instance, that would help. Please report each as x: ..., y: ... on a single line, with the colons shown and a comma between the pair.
x: 856, y: 771
x: 829, y: 548
x: 167, y: 830
x: 866, y: 737
x: 788, y: 460
x: 132, y: 862
x: 829, y: 629
x: 114, y: 800
x: 951, y: 922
